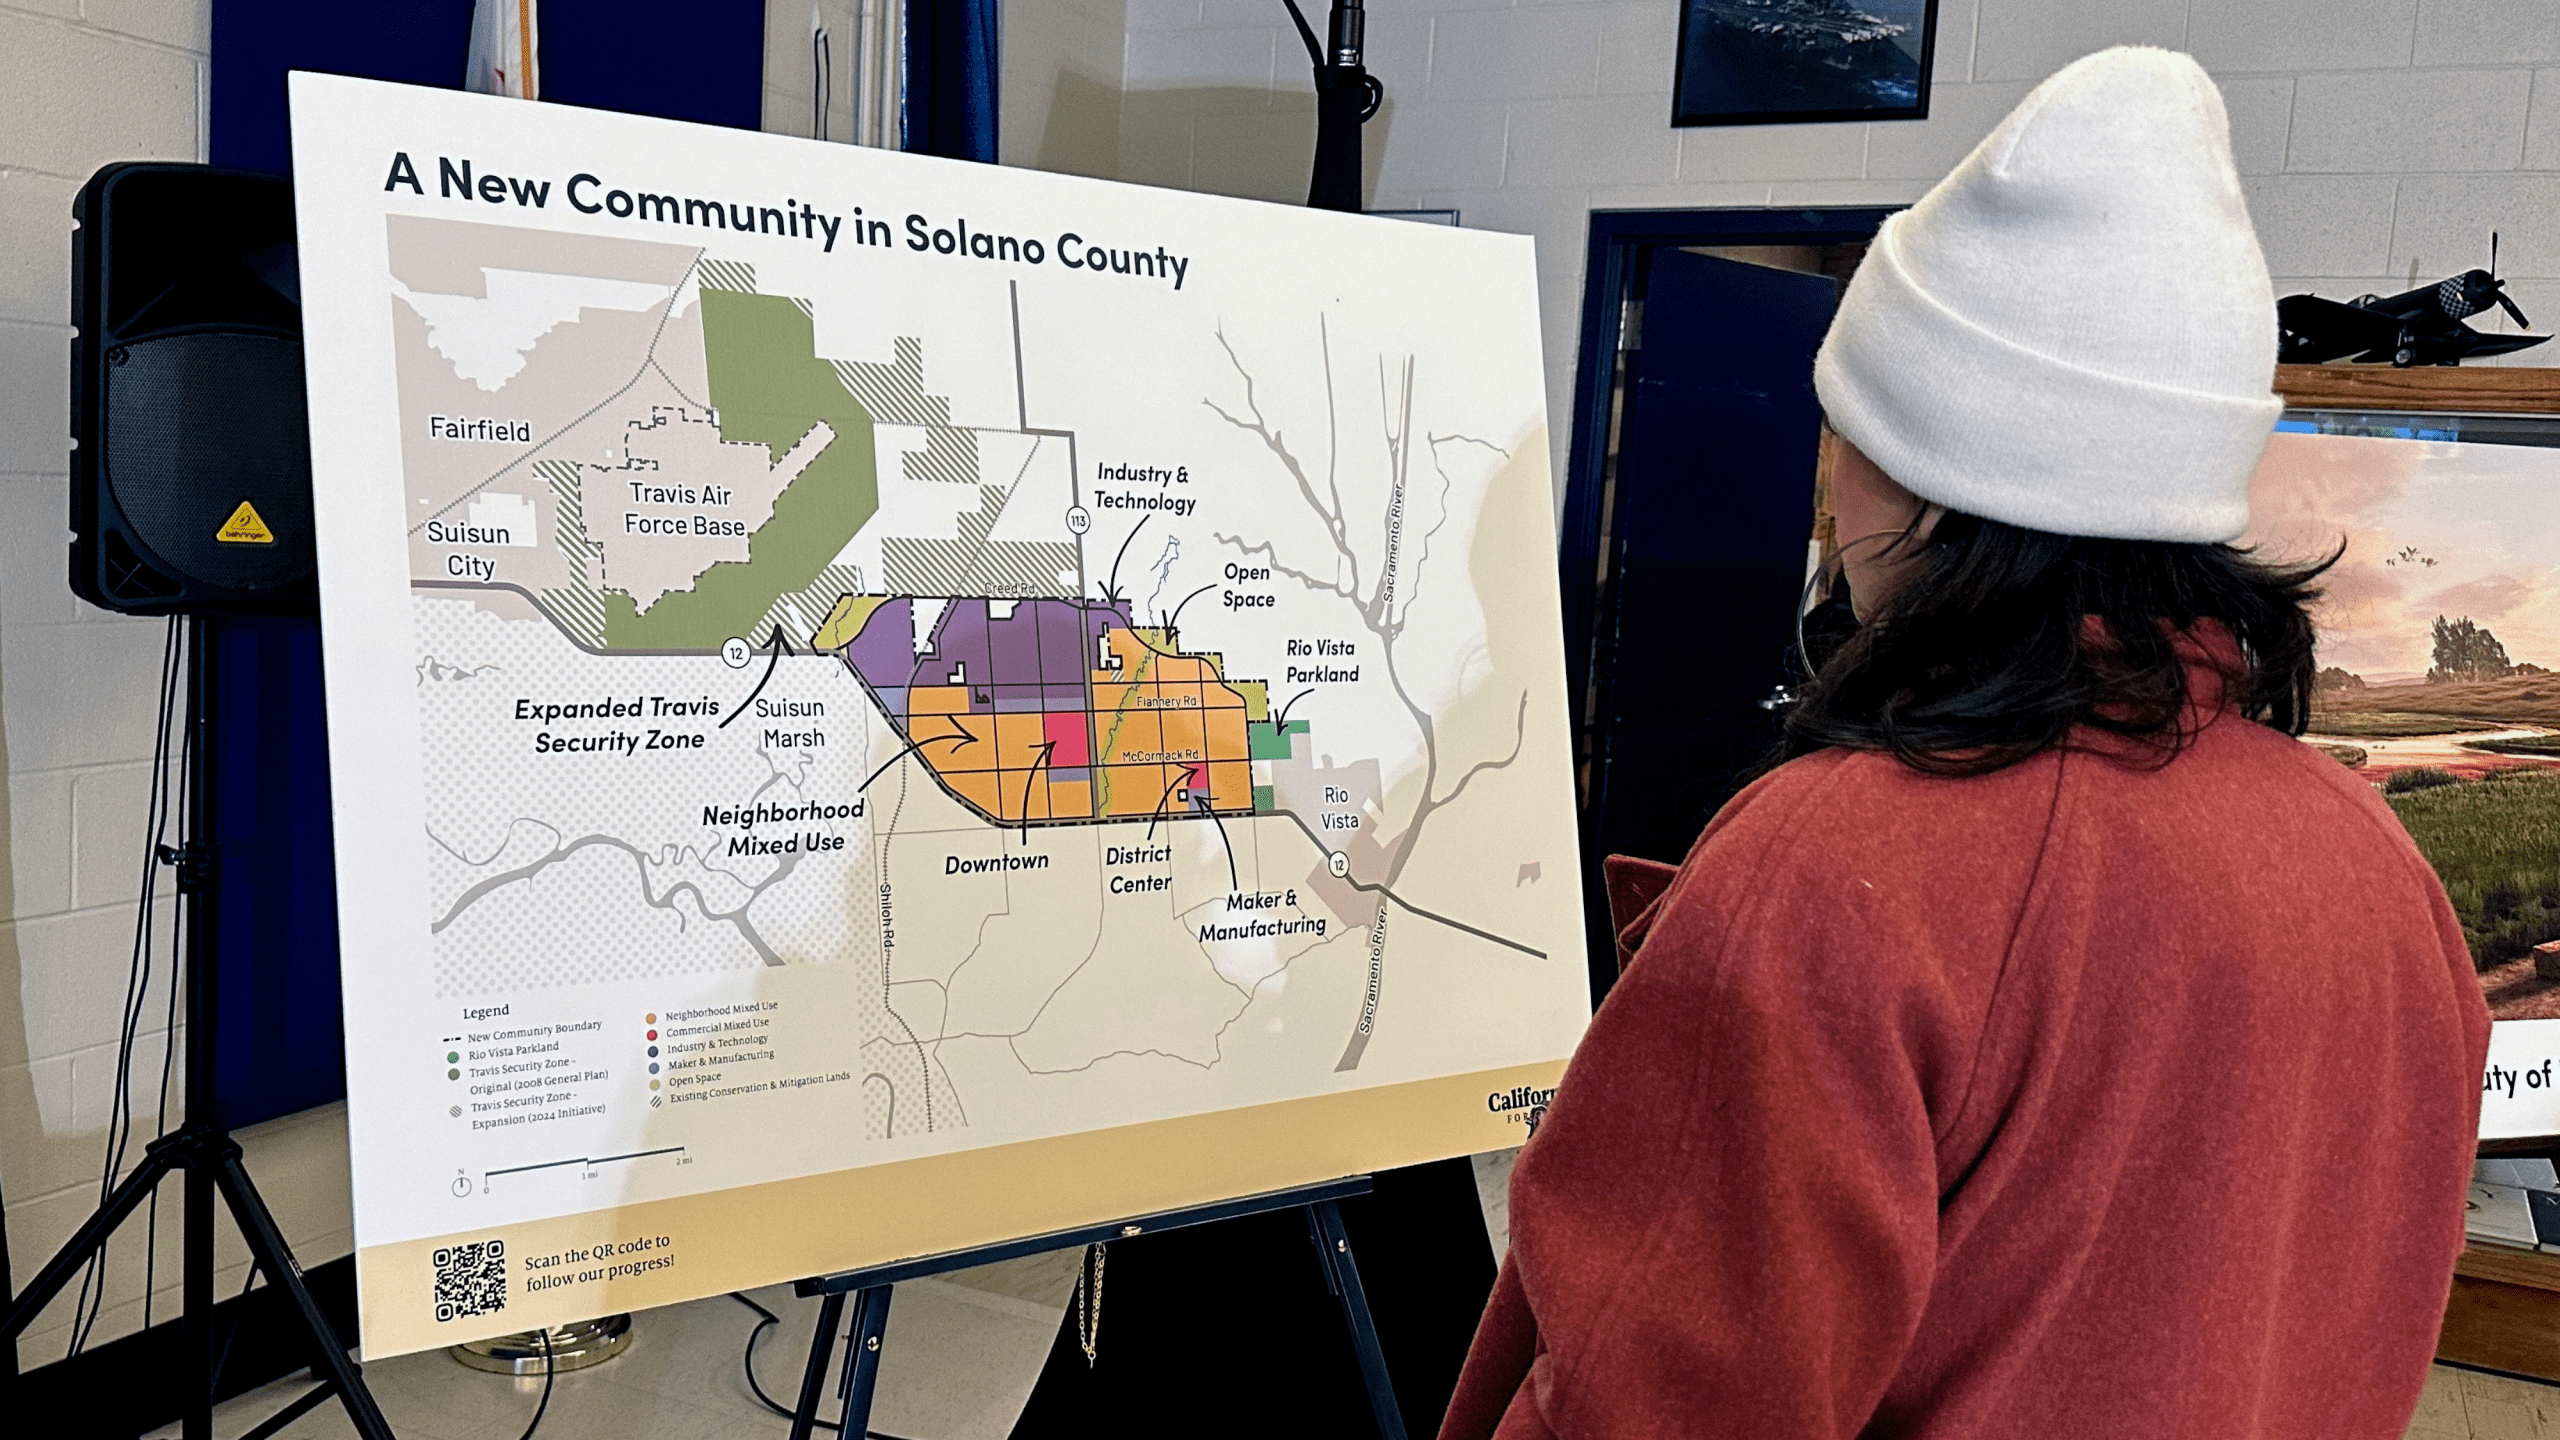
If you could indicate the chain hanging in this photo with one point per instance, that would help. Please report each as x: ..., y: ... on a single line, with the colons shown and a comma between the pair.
x: 1089, y: 1301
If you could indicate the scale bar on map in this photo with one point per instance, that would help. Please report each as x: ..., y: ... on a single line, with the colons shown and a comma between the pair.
x: 587, y: 1160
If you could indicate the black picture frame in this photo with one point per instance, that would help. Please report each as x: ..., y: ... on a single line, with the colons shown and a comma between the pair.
x: 1771, y: 62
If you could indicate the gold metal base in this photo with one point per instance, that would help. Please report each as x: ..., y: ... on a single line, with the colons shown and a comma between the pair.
x: 574, y: 1346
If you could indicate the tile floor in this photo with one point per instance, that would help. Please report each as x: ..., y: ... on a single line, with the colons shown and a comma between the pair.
x: 971, y: 1346
x: 963, y: 1352
x: 2461, y: 1403
x: 961, y: 1374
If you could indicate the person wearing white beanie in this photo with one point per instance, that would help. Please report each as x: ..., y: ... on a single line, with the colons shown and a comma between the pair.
x: 2052, y: 1044
x: 2074, y: 332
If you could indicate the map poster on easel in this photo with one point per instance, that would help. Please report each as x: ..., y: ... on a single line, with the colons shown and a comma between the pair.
x: 880, y: 705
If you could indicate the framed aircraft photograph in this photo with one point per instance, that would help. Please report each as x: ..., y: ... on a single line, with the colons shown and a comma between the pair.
x: 1767, y: 62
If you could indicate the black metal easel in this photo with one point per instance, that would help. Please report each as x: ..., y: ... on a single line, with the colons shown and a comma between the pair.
x: 870, y: 1290
x: 203, y: 1148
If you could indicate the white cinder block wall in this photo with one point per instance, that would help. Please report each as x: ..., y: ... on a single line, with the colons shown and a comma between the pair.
x: 2374, y: 135
x: 1061, y: 96
x: 84, y: 82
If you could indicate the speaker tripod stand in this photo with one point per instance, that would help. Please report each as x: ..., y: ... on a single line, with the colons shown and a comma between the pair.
x: 203, y: 1151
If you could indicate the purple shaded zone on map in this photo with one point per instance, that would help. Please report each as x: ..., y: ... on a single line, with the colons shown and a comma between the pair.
x: 1040, y: 657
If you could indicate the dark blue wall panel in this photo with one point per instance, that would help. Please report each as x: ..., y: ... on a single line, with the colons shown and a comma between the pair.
x: 953, y: 71
x: 702, y: 61
x: 276, y: 935
x: 256, y: 41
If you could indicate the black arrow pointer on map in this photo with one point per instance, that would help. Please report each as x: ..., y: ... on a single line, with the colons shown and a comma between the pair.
x: 912, y: 747
x: 1037, y: 761
x: 1232, y: 882
x: 1185, y: 779
x: 779, y: 645
x: 1282, y: 724
x: 1111, y: 587
x: 1174, y: 619
x: 963, y: 736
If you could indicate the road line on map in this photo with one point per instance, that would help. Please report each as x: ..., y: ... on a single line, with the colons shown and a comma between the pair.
x: 1160, y: 813
x: 1021, y: 392
x: 648, y: 362
x: 1407, y: 904
x: 777, y: 645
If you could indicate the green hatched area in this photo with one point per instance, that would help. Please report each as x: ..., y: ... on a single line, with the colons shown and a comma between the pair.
x: 769, y: 387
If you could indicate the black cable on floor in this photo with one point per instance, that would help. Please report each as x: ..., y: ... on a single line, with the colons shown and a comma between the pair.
x: 548, y: 1368
x: 748, y: 1362
x: 768, y: 1318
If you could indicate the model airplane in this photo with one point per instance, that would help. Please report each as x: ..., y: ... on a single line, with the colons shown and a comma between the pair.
x: 2420, y: 327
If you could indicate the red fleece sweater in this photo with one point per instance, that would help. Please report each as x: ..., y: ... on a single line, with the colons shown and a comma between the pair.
x: 2078, y: 1100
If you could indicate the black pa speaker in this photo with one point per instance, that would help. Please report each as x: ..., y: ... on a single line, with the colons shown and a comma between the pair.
x: 191, y: 481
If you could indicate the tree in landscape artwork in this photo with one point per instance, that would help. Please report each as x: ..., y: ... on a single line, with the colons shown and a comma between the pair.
x: 2439, y: 638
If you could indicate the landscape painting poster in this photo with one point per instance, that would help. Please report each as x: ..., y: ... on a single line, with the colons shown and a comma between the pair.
x: 2439, y: 683
x: 1758, y: 62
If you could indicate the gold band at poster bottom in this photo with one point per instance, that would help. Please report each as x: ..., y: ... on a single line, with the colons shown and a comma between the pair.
x: 660, y: 1252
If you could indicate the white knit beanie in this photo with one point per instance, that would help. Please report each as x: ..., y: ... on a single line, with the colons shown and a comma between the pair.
x: 2074, y: 332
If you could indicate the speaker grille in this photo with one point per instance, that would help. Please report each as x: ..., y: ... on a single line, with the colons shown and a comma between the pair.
x: 196, y: 423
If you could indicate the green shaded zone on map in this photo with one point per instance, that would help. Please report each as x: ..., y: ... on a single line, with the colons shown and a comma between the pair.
x: 769, y: 387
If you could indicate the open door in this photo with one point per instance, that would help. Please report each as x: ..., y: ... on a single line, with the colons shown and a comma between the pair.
x: 1707, y: 517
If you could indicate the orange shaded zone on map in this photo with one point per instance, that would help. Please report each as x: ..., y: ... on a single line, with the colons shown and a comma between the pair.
x: 1158, y: 732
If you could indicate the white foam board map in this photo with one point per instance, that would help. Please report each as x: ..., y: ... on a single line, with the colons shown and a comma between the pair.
x: 879, y: 705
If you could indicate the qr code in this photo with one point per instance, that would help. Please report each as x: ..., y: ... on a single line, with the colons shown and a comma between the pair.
x: 471, y: 1280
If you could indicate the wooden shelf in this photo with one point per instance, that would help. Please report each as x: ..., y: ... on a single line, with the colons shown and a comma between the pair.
x: 2514, y: 390
x: 2537, y: 1269
x: 2504, y: 1312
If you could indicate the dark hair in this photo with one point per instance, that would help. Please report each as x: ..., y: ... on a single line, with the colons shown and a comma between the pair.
x: 1985, y: 655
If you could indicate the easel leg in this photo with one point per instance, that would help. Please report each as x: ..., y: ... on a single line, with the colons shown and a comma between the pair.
x: 813, y: 1380
x: 268, y: 1250
x: 75, y: 1252
x: 205, y: 1150
x: 209, y: 1162
x: 862, y: 1359
x: 195, y: 1290
x: 1342, y: 1277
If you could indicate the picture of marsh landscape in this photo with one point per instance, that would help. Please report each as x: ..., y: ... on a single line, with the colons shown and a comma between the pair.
x: 2440, y: 666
